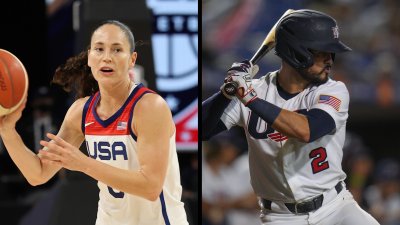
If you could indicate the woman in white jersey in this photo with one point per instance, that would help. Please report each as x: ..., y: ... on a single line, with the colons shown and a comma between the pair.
x: 129, y: 134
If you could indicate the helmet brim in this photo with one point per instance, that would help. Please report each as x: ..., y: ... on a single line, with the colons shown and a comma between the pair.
x: 333, y: 47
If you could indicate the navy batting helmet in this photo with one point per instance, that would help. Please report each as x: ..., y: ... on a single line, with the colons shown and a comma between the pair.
x: 303, y: 30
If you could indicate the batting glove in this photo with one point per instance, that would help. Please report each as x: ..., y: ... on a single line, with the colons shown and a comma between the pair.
x: 242, y: 74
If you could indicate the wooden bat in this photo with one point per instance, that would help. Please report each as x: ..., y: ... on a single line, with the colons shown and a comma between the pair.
x: 266, y: 46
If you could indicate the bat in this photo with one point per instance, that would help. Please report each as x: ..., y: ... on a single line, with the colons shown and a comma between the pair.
x: 266, y: 46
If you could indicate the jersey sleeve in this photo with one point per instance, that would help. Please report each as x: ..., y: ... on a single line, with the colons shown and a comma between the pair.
x: 333, y: 99
x: 231, y: 115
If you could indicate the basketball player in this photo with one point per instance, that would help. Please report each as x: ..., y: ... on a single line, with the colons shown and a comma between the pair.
x: 295, y: 124
x: 129, y: 133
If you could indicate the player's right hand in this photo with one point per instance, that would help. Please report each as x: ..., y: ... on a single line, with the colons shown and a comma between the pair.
x: 241, y: 74
x: 7, y: 122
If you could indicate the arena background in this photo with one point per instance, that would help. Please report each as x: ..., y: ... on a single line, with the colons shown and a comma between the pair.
x: 43, y: 34
x: 233, y: 31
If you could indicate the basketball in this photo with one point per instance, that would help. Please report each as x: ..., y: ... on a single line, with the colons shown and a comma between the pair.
x: 13, y: 82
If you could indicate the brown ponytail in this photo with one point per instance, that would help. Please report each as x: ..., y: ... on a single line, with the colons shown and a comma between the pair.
x: 75, y: 75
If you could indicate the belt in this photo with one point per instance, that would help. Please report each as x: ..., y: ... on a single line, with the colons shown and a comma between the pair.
x: 304, y: 206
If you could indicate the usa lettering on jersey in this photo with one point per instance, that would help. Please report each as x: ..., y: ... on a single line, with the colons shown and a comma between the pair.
x: 105, y: 150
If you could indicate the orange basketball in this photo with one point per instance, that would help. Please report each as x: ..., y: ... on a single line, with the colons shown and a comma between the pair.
x: 13, y: 82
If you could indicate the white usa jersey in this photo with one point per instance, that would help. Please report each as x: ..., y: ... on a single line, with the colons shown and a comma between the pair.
x: 113, y: 142
x: 285, y: 169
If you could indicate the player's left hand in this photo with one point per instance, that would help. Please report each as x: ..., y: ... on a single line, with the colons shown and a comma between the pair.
x: 242, y: 73
x: 61, y: 153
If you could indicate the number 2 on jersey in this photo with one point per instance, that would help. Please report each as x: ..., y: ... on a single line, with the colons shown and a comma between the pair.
x: 319, y: 162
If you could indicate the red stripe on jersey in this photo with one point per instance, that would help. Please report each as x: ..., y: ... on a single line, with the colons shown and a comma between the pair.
x: 282, y: 139
x: 275, y: 135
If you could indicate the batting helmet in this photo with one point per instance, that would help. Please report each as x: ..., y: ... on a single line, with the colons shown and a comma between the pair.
x: 303, y: 30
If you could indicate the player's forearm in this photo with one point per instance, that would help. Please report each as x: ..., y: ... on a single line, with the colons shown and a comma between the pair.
x: 26, y: 161
x: 133, y: 182
x: 292, y: 124
x: 212, y: 110
x: 289, y: 123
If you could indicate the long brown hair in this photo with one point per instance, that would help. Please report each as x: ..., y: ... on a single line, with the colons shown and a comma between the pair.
x: 75, y: 75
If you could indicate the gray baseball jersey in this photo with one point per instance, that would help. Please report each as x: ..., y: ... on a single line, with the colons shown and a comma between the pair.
x: 285, y: 169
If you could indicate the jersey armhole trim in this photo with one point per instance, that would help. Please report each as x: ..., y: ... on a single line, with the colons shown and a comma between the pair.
x: 131, y: 113
x: 84, y: 112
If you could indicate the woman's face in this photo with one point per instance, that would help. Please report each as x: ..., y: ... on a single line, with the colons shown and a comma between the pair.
x: 109, y: 55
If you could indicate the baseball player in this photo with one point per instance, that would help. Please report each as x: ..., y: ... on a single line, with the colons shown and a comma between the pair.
x: 295, y: 124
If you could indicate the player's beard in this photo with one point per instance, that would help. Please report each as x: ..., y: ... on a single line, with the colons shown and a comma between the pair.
x: 315, y: 78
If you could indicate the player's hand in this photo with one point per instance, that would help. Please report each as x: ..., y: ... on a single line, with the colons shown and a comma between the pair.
x: 8, y: 121
x: 63, y: 154
x: 242, y: 74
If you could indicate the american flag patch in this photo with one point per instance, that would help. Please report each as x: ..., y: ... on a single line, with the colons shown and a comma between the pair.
x: 330, y: 100
x: 122, y: 125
